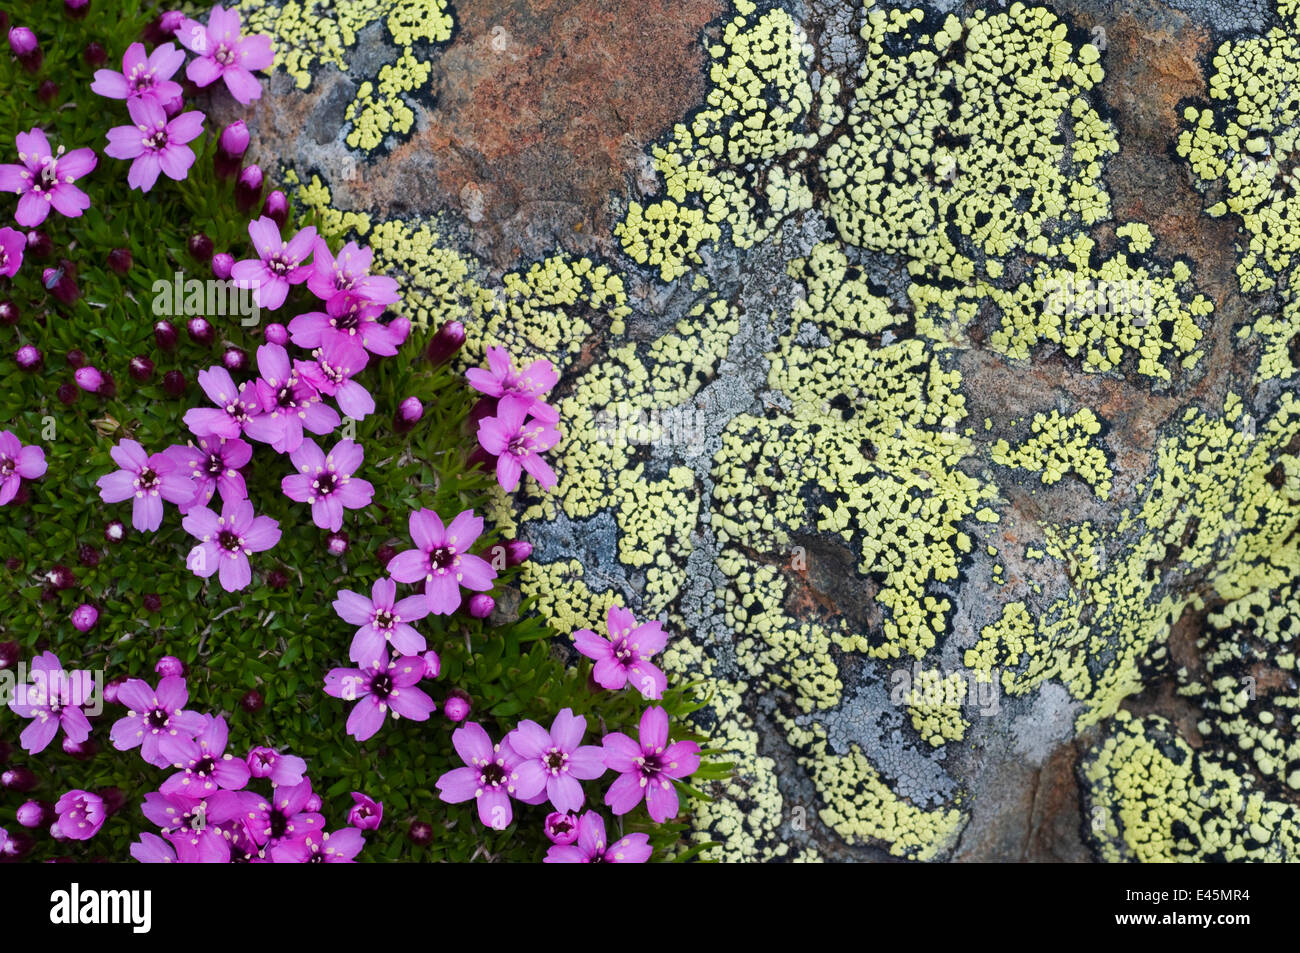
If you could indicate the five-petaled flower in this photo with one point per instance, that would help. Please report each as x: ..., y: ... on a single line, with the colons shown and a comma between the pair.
x: 226, y: 541
x: 289, y: 404
x: 223, y: 53
x: 52, y: 699
x: 81, y: 815
x: 555, y: 761
x: 325, y: 481
x: 156, y: 722
x: 500, y: 378
x: 147, y: 481
x: 441, y: 559
x: 377, y: 687
x: 154, y: 143
x: 236, y: 406
x: 591, y: 847
x: 17, y: 463
x: 648, y: 767
x: 624, y: 656
x: 212, y: 465
x: 143, y: 76
x: 206, y: 768
x: 517, y: 441
x: 488, y: 776
x: 44, y: 180
x: 383, y: 620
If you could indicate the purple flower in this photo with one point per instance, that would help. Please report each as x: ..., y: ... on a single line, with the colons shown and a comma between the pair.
x: 147, y: 479
x: 624, y: 655
x: 409, y: 412
x: 366, y: 813
x: 224, y: 54
x: 442, y: 559
x: 456, y: 707
x: 152, y: 849
x: 213, y: 465
x: 157, y: 722
x: 234, y: 140
x: 488, y: 778
x: 53, y: 700
x: 561, y: 828
x: 383, y: 620
x: 518, y: 443
x: 195, y: 826
x: 532, y: 383
x: 349, y: 273
x: 278, y: 265
x: 236, y: 406
x: 284, y: 770
x: 44, y: 179
x: 288, y: 403
x: 376, y: 688
x: 555, y: 761
x: 142, y: 77
x: 285, y: 816
x: 17, y: 463
x: 226, y: 542
x: 347, y: 316
x: 12, y: 246
x: 647, y: 769
x: 154, y: 143
x: 84, y: 617
x: 81, y: 814
x: 326, y: 482
x: 318, y: 847
x: 206, y: 768
x: 336, y: 360
x: 89, y: 379
x: 591, y: 848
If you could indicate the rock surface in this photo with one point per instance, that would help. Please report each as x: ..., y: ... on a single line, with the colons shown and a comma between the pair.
x: 897, y: 346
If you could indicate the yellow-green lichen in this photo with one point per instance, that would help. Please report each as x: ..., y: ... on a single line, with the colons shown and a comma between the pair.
x: 1060, y: 445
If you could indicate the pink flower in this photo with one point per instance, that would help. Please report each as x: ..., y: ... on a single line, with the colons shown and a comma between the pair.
x: 17, y: 463
x: 154, y: 143
x: 205, y: 767
x: 12, y: 246
x: 279, y: 263
x: 555, y: 761
x: 224, y: 54
x: 376, y: 688
x: 366, y: 813
x: 236, y: 406
x: 213, y: 465
x: 53, y: 700
x: 624, y: 655
x: 152, y: 849
x: 648, y: 768
x: 442, y: 560
x: 349, y: 272
x: 142, y: 77
x: 383, y: 620
x: 337, y: 359
x: 44, y: 179
x: 284, y: 770
x: 350, y: 317
x: 591, y: 847
x: 147, y: 481
x: 488, y: 777
x: 320, y: 847
x: 325, y: 481
x: 81, y: 814
x: 226, y: 542
x: 532, y: 383
x: 518, y: 443
x: 289, y: 404
x: 156, y: 722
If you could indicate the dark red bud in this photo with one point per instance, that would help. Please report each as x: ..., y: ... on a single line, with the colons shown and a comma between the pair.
x: 174, y: 383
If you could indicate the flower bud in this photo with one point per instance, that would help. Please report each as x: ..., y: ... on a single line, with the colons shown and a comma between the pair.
x: 8, y: 313
x: 76, y: 8
x: 276, y: 208
x: 84, y: 617
x: 408, y: 414
x: 199, y: 246
x: 483, y: 408
x: 446, y: 342
x: 62, y: 282
x: 163, y: 27
x: 94, y: 54
x: 336, y: 543
x: 76, y: 358
x: 26, y: 48
x: 8, y: 654
x: 248, y: 188
x: 276, y: 579
x: 421, y: 834
x: 234, y: 359
x: 222, y: 265
x: 114, y: 531
x: 432, y: 664
x: 39, y: 244
x: 67, y: 394
x: 89, y: 379
x: 20, y: 845
x: 140, y: 368
x: 120, y: 260
x: 113, y: 799
x: 561, y: 828
x: 234, y: 140
x: 457, y: 706
x: 112, y: 687
x: 35, y: 814
x: 47, y: 91
x: 168, y: 666
x: 401, y: 328
x: 200, y: 330
x: 81, y: 750
x: 518, y: 551
x: 174, y: 383
x: 164, y: 333
x: 61, y: 577
x: 88, y: 556
x: 252, y: 701
x: 151, y: 602
x: 29, y: 358
x: 366, y: 813
x: 276, y: 334
x: 481, y: 605
x: 384, y: 554
x: 313, y: 804
x: 18, y: 779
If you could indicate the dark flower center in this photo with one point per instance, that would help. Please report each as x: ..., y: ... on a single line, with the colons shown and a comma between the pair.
x: 621, y: 650
x: 347, y: 322
x: 147, y: 480
x: 279, y: 823
x: 142, y: 81
x: 651, y: 764
x: 493, y: 775
x: 158, y: 140
x: 6, y: 466
x: 384, y: 619
x: 381, y: 686
x: 204, y: 766
x: 442, y: 557
x: 518, y: 446
x: 216, y: 466
x: 228, y: 540
x: 325, y: 484
x: 157, y: 719
x: 556, y: 760
x: 224, y: 55
x: 278, y: 266
x: 284, y: 397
